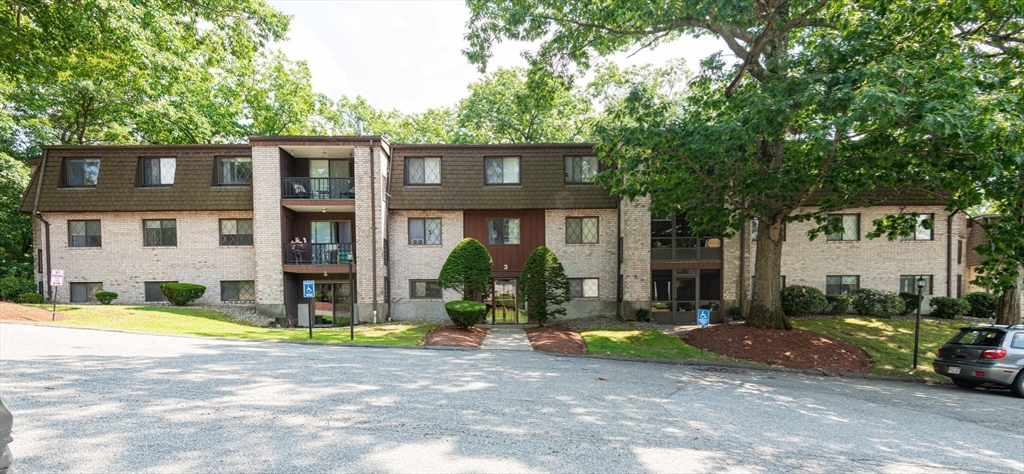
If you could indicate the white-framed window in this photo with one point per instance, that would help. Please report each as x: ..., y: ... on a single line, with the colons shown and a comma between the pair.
x: 82, y: 172
x: 920, y: 232
x: 503, y: 231
x: 841, y: 284
x: 580, y: 169
x: 908, y: 284
x: 158, y: 171
x: 501, y: 170
x: 583, y: 287
x: 851, y: 227
x: 426, y: 170
x: 581, y: 230
x: 424, y: 290
x: 425, y: 231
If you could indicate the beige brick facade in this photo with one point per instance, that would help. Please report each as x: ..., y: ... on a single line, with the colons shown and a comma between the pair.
x: 266, y: 197
x: 636, y: 255
x: 420, y: 262
x: 366, y: 233
x: 123, y: 264
x: 587, y: 260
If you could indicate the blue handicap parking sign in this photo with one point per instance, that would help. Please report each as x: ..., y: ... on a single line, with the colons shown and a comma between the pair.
x: 703, y: 317
x: 307, y: 289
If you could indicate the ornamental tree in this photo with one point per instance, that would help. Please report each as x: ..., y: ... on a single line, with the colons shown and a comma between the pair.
x: 544, y: 285
x: 467, y: 269
x: 823, y: 105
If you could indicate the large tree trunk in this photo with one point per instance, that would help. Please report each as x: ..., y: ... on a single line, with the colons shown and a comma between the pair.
x: 1008, y: 311
x: 766, y: 303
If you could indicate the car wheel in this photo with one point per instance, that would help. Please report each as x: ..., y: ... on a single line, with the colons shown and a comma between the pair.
x: 964, y: 383
x: 1018, y: 385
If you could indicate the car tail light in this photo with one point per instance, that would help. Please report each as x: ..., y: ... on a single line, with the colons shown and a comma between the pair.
x: 994, y: 354
x: 979, y: 374
x: 942, y: 351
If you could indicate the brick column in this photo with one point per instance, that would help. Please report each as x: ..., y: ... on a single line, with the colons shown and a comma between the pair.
x: 364, y: 233
x: 636, y: 256
x: 266, y: 221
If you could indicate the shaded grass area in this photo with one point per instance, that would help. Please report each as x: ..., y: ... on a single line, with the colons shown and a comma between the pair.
x: 644, y: 344
x: 204, y: 322
x: 889, y: 343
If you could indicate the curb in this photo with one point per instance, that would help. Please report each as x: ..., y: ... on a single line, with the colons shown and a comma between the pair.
x: 689, y: 363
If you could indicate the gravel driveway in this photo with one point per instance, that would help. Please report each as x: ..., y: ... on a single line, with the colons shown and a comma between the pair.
x: 97, y: 401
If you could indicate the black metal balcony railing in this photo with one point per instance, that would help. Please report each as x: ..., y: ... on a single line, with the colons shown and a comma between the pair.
x: 318, y: 188
x: 319, y: 254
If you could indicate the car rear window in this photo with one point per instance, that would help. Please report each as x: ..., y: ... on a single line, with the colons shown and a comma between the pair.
x: 979, y: 337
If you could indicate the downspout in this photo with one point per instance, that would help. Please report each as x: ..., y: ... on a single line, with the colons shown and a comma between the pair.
x: 37, y: 215
x: 949, y: 253
x: 743, y: 265
x: 620, y: 246
x: 387, y: 214
x: 373, y: 235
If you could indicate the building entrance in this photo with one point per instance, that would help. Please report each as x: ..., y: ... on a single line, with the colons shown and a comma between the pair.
x: 676, y: 295
x: 505, y: 302
x: 333, y: 305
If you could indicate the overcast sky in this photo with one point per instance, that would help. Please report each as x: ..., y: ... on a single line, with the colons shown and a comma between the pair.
x: 408, y: 54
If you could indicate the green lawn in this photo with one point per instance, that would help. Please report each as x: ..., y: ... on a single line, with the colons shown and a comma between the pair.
x: 202, y: 322
x: 890, y: 344
x: 646, y: 344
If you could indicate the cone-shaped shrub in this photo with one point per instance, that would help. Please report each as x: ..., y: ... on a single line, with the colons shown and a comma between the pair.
x: 544, y: 285
x: 467, y: 269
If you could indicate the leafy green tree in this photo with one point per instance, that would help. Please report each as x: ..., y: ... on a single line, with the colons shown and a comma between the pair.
x: 544, y: 285
x: 467, y: 269
x: 826, y: 105
x: 15, y: 226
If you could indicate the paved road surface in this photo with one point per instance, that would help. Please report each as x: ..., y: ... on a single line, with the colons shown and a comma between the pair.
x: 95, y: 401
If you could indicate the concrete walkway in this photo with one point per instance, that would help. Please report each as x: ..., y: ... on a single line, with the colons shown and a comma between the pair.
x: 506, y: 339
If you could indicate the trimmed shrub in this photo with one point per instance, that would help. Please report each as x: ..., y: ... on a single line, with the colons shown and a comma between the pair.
x: 181, y: 294
x: 106, y: 297
x: 30, y: 298
x: 949, y: 308
x: 885, y: 304
x: 799, y: 299
x: 545, y: 286
x: 736, y: 313
x: 642, y: 314
x: 11, y: 287
x: 467, y: 269
x: 837, y: 304
x: 910, y: 302
x: 465, y: 313
x: 983, y: 305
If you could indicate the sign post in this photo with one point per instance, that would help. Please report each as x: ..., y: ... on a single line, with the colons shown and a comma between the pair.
x: 703, y: 319
x: 308, y: 293
x: 56, y: 279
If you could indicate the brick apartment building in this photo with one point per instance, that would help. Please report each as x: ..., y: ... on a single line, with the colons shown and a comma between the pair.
x: 127, y: 218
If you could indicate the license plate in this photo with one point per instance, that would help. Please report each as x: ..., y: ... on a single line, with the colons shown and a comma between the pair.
x: 953, y: 370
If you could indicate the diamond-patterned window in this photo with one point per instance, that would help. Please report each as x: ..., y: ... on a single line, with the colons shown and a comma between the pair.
x: 237, y: 291
x: 581, y: 230
x: 424, y: 231
x: 580, y: 169
x: 424, y: 289
x: 235, y: 170
x: 84, y: 234
x: 236, y: 231
x: 583, y: 287
x: 85, y: 292
x: 423, y: 170
x: 160, y: 233
x: 851, y: 227
x: 158, y: 171
x: 503, y: 231
x: 83, y: 171
x: 920, y: 231
x: 501, y: 170
x: 841, y: 284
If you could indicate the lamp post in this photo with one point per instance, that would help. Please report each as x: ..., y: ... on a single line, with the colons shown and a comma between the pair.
x: 917, y: 326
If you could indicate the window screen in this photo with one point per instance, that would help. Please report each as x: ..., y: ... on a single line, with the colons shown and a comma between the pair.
x: 583, y: 287
x: 503, y: 231
x: 158, y: 171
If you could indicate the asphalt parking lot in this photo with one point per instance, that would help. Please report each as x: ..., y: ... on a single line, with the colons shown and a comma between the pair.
x: 99, y: 401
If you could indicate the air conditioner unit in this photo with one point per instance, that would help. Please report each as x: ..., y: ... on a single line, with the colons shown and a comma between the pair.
x: 417, y: 241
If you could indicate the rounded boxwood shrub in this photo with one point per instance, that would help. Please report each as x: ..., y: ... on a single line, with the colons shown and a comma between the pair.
x: 799, y: 299
x: 983, y: 305
x: 837, y: 304
x: 642, y: 314
x: 910, y: 302
x: 949, y: 308
x: 885, y: 304
x: 30, y: 298
x: 736, y: 313
x: 467, y: 269
x: 106, y: 297
x: 181, y: 294
x: 465, y: 313
x: 545, y: 286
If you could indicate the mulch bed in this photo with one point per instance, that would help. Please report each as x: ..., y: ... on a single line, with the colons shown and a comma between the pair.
x: 17, y: 312
x: 455, y: 336
x: 558, y: 340
x: 797, y: 349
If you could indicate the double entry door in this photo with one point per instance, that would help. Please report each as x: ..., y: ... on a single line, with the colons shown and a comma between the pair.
x: 333, y: 304
x: 676, y: 295
x: 332, y: 242
x: 506, y: 303
x: 329, y: 179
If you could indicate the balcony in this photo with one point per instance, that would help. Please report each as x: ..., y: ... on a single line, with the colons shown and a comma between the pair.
x: 317, y: 188
x: 310, y: 254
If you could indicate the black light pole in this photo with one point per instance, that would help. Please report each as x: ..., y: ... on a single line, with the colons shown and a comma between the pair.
x: 917, y: 327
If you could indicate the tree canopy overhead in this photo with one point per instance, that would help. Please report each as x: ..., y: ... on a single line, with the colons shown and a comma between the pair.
x: 821, y: 103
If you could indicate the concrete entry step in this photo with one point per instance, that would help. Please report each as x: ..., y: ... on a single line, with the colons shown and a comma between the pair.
x: 506, y: 339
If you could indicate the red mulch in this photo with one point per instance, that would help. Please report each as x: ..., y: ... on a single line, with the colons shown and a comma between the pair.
x: 798, y: 348
x: 455, y: 336
x: 17, y: 312
x: 558, y: 340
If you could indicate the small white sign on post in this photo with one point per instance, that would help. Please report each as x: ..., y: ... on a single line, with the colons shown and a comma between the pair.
x: 56, y: 277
